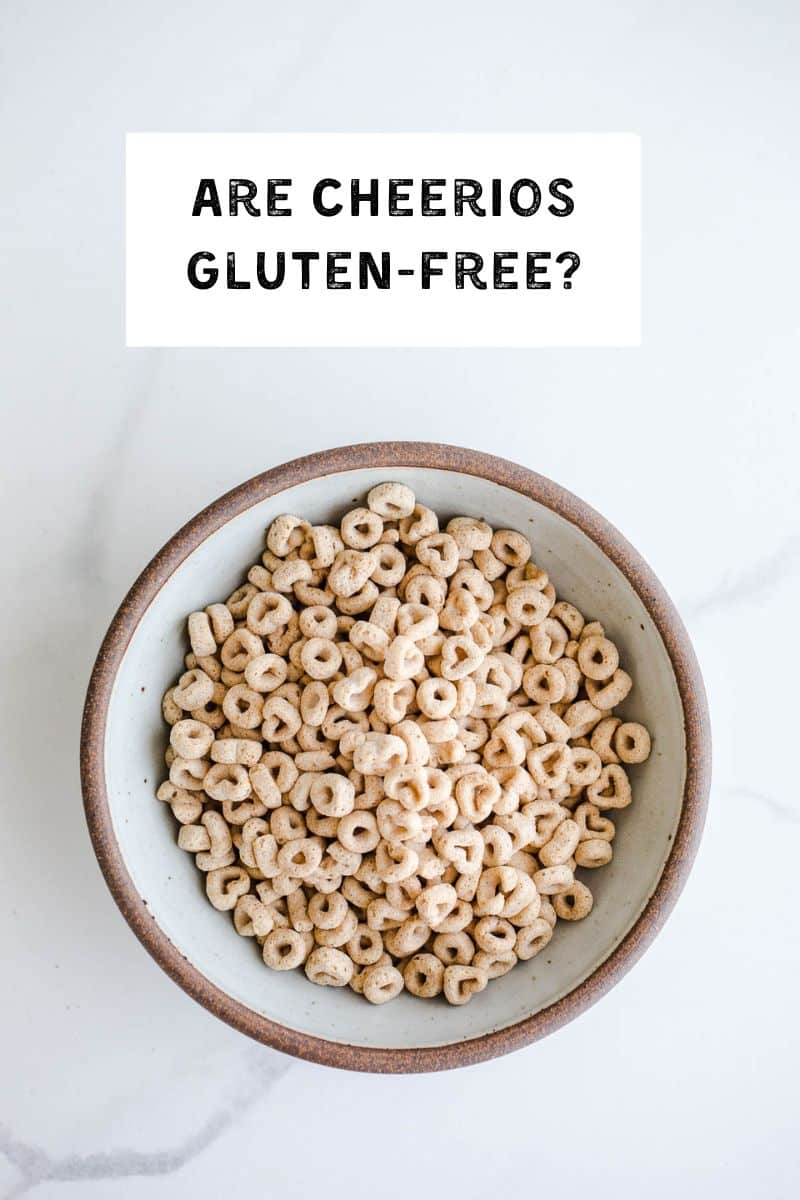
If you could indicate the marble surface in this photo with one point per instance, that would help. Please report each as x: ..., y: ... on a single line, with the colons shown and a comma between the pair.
x: 115, y: 1085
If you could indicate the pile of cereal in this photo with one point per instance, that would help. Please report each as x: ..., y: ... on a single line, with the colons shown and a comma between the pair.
x: 392, y: 748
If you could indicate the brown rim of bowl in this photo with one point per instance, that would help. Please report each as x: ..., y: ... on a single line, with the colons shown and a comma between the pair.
x: 696, y: 723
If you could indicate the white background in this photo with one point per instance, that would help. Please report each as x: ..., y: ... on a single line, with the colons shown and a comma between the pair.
x: 683, y: 1080
x: 601, y: 307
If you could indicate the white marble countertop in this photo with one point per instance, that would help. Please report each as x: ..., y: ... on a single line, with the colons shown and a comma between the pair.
x: 683, y: 1079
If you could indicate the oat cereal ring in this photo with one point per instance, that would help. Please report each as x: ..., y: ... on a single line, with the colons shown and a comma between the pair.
x: 574, y: 903
x: 265, y: 672
x: 544, y: 683
x: 420, y: 523
x: 439, y: 553
x: 527, y: 606
x: 612, y: 788
x: 201, y: 637
x: 391, y: 699
x: 409, y: 786
x: 361, y: 528
x: 533, y: 938
x: 390, y: 565
x: 360, y: 602
x: 581, y: 717
x: 267, y: 612
x: 354, y: 692
x: 494, y: 965
x: 382, y: 982
x: 286, y: 533
x: 281, y: 720
x: 227, y: 781
x: 365, y: 947
x: 287, y: 824
x: 584, y: 768
x: 470, y: 534
x: 308, y: 594
x: 358, y: 831
x: 290, y: 573
x: 329, y: 967
x: 561, y: 846
x: 379, y: 753
x: 598, y: 657
x: 494, y: 935
x: 476, y: 793
x: 317, y: 620
x: 461, y: 847
x: 460, y: 657
x: 220, y: 853
x: 552, y: 880
x: 370, y: 640
x: 351, y: 571
x: 191, y: 739
x: 224, y: 886
x: 392, y: 501
x: 171, y: 711
x: 384, y: 613
x: 498, y: 846
x: 404, y: 659
x: 300, y: 857
x: 398, y: 823
x: 592, y: 825
x: 569, y: 616
x: 187, y: 773
x: 332, y: 795
x: 436, y: 902
x: 251, y: 918
x: 239, y: 600
x: 221, y: 621
x: 454, y: 949
x: 326, y: 544
x: 608, y: 695
x: 593, y: 852
x: 460, y: 613
x: 314, y: 703
x: 285, y: 949
x: 631, y: 742
x: 489, y: 565
x: 395, y: 861
x: 572, y: 675
x: 408, y: 938
x: 193, y: 839
x: 424, y: 976
x: 461, y: 983
x: 243, y: 706
x: 327, y: 911
x: 320, y: 658
x: 195, y: 689
x: 341, y: 935
x: 549, y: 764
x: 420, y: 587
x: 416, y: 621
x: 511, y: 547
x: 602, y: 739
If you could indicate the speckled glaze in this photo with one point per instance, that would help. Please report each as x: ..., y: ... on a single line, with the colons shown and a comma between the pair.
x: 696, y: 725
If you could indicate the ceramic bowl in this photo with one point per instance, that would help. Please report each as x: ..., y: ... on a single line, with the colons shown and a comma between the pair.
x: 157, y: 886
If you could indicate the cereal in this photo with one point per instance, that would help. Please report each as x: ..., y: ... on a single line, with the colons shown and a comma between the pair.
x: 392, y: 749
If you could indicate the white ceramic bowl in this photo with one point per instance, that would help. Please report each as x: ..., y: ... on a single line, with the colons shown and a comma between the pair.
x: 158, y: 887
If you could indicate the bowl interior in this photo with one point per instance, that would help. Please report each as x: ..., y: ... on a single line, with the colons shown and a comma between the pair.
x: 169, y: 882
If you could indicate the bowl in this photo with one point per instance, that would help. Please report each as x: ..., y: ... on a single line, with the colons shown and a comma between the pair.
x: 157, y: 886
